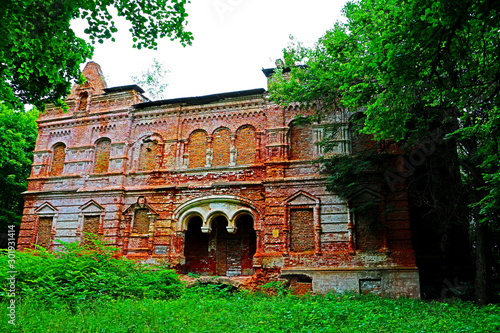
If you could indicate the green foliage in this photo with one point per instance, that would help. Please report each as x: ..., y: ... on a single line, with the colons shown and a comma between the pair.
x: 18, y: 132
x: 414, y: 67
x: 197, y: 311
x: 279, y: 288
x: 85, y: 272
x: 152, y: 80
x: 40, y: 54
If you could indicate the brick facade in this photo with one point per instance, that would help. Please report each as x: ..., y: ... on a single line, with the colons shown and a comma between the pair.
x: 217, y: 185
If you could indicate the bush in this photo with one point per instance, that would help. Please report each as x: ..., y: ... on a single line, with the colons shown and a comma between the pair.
x: 85, y: 272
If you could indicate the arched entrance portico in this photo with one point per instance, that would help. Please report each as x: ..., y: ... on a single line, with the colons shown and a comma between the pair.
x: 220, y: 236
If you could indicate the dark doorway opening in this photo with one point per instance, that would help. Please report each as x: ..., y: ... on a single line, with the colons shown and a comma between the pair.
x: 220, y: 252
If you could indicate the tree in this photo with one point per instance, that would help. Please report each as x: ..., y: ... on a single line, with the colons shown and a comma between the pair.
x: 40, y: 55
x: 18, y: 131
x: 418, y: 67
x: 152, y: 80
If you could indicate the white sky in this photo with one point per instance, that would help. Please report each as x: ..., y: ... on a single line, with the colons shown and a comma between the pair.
x: 233, y: 41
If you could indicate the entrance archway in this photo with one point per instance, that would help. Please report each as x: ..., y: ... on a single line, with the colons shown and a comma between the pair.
x: 220, y: 252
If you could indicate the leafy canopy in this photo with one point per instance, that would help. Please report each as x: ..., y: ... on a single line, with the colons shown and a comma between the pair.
x: 412, y: 67
x: 40, y: 54
x: 18, y: 131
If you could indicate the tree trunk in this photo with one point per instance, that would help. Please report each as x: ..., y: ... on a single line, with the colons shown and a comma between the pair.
x: 483, y: 264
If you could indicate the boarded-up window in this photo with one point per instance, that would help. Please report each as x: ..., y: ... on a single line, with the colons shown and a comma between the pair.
x: 141, y: 221
x: 102, y: 151
x: 58, y: 157
x: 197, y: 149
x: 222, y: 145
x: 147, y: 159
x: 44, y: 230
x: 302, y: 230
x: 301, y: 142
x: 91, y: 226
x: 245, y: 146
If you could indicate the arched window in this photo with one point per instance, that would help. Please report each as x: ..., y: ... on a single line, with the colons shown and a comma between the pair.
x: 245, y: 145
x: 197, y: 149
x: 147, y: 159
x: 83, y: 101
x: 222, y: 146
x: 58, y: 157
x: 301, y: 141
x: 102, y: 152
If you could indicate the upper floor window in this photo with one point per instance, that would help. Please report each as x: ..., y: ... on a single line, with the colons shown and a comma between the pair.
x: 58, y: 157
x: 149, y: 150
x: 102, y: 152
x: 197, y: 149
x: 301, y: 141
x: 83, y: 101
x: 245, y: 145
x: 221, y: 147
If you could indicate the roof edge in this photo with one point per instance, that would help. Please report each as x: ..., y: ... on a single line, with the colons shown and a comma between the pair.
x: 198, y: 100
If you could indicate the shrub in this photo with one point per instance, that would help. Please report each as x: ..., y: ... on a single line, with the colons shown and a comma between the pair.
x: 82, y: 272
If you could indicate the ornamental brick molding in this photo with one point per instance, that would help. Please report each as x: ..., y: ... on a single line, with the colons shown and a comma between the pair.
x: 218, y: 185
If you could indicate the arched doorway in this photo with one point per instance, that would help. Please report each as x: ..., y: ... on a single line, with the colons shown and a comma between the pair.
x: 196, y: 248
x: 220, y: 252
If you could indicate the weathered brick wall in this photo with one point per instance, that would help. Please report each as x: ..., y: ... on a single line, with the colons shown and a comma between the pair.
x: 44, y: 230
x: 102, y: 151
x: 221, y: 147
x: 301, y: 142
x: 197, y: 149
x: 58, y: 158
x: 245, y: 145
x: 302, y: 230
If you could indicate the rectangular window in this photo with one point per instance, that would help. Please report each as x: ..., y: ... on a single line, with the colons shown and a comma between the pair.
x: 302, y: 230
x: 90, y: 225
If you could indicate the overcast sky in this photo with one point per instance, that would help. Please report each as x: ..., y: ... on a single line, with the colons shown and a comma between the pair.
x: 233, y: 41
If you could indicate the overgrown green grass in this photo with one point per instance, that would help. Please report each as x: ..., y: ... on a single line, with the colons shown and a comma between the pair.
x: 87, y: 289
x: 206, y: 310
x: 81, y: 273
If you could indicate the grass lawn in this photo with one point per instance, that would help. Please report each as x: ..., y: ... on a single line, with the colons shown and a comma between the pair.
x: 203, y: 310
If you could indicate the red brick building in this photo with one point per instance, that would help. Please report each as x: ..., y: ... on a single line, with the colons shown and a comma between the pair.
x: 217, y: 185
